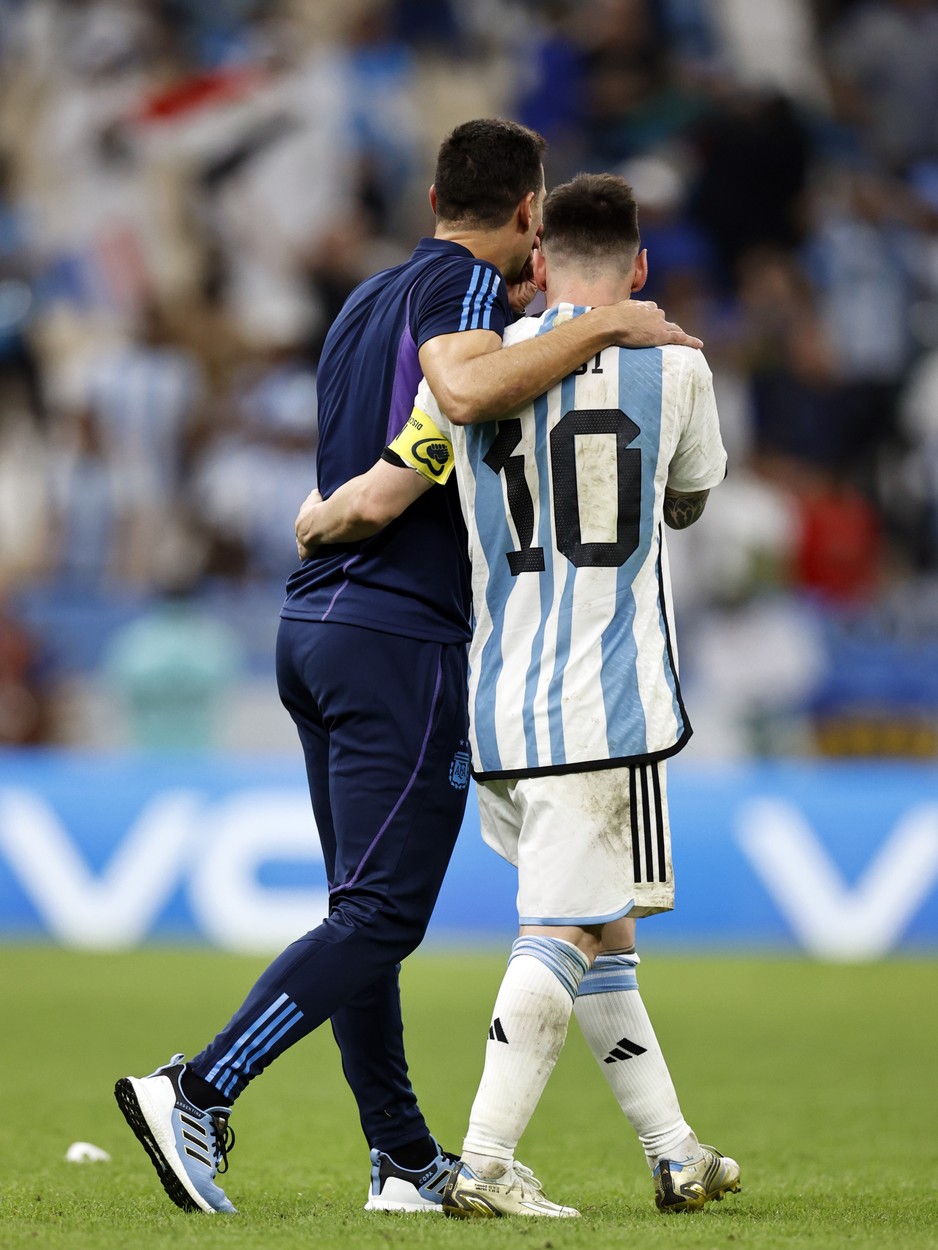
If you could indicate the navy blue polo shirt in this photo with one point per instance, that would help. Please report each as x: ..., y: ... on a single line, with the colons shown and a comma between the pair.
x: 412, y: 578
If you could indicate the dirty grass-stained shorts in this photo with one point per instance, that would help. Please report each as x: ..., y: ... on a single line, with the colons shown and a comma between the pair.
x: 589, y: 847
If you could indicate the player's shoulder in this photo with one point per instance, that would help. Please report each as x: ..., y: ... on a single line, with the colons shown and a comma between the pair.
x: 687, y: 357
x: 685, y: 363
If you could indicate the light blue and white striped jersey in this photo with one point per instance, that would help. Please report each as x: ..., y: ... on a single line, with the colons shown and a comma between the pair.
x: 573, y: 662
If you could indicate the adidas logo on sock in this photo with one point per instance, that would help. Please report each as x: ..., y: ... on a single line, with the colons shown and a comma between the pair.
x: 496, y: 1032
x: 624, y: 1049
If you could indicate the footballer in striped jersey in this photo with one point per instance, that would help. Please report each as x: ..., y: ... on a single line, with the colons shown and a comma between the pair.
x: 574, y: 697
x: 371, y: 665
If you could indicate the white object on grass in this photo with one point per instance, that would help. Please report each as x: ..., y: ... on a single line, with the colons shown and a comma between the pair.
x: 85, y: 1152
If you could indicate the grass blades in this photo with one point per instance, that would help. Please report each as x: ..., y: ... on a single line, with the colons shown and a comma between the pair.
x: 821, y: 1080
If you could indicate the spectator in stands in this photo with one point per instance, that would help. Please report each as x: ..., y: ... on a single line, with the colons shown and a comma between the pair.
x: 883, y: 58
x: 87, y: 515
x: 143, y: 398
x: 867, y: 257
x: 752, y: 157
x: 25, y: 706
x: 247, y: 480
x: 171, y: 669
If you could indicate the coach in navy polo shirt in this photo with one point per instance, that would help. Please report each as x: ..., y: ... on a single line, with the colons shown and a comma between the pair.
x: 371, y: 664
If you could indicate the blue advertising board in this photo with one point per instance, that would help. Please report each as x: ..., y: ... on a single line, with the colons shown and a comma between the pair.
x: 839, y: 861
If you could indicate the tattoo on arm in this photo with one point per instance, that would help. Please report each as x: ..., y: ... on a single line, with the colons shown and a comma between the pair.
x: 683, y: 510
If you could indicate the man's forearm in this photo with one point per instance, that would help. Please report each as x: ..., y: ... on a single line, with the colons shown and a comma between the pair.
x: 497, y: 383
x: 493, y: 383
x: 358, y: 509
x: 342, y: 518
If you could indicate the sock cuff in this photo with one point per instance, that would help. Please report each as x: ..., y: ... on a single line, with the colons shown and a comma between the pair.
x: 610, y: 974
x: 568, y: 964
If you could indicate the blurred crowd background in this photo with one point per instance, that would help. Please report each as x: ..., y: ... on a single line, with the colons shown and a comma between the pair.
x: 190, y: 188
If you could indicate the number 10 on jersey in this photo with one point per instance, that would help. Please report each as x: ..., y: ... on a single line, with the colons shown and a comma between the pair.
x: 565, y: 489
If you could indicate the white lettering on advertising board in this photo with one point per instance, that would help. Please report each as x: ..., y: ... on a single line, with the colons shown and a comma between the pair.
x: 218, y: 847
x: 831, y: 919
x: 215, y: 849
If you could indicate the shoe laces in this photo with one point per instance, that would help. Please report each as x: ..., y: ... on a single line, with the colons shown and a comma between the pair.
x: 224, y: 1136
x: 527, y: 1178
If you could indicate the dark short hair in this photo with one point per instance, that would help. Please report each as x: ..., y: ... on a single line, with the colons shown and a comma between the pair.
x: 592, y: 217
x: 484, y: 168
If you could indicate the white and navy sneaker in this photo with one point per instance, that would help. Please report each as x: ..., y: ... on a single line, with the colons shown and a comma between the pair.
x: 516, y: 1192
x: 394, y: 1188
x: 691, y: 1185
x: 187, y: 1146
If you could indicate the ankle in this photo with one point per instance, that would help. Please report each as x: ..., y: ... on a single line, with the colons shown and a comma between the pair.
x: 200, y: 1093
x: 415, y: 1156
x: 486, y: 1167
x: 686, y: 1151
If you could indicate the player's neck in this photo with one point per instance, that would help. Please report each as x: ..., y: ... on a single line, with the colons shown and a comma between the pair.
x: 591, y: 294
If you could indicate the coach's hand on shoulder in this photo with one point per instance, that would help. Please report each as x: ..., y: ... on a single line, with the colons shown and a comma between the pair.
x: 641, y: 323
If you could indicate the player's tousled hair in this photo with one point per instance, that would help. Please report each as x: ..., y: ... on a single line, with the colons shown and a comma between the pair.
x: 593, y: 217
x: 484, y: 169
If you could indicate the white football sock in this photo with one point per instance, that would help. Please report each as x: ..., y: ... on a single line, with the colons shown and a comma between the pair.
x: 529, y: 1025
x: 613, y: 1019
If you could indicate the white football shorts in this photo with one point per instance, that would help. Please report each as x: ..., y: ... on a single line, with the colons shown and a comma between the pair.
x: 589, y: 847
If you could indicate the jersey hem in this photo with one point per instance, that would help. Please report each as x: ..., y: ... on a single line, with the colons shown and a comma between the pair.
x: 421, y: 632
x: 587, y: 766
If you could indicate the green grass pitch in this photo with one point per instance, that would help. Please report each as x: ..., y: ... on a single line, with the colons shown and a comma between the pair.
x: 822, y: 1081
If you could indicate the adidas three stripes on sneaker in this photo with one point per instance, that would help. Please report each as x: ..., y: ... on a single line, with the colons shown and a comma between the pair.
x: 187, y: 1146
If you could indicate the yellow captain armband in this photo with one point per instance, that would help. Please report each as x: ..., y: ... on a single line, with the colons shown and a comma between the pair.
x: 421, y: 446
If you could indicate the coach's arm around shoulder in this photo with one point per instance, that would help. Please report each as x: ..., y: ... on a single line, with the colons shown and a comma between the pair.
x: 361, y: 507
x: 475, y: 379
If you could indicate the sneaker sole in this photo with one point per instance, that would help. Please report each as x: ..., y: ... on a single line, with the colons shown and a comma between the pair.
x: 156, y: 1098
x: 413, y: 1208
x: 478, y: 1207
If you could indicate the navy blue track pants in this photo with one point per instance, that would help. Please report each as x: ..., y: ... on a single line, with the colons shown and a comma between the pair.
x: 383, y: 724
